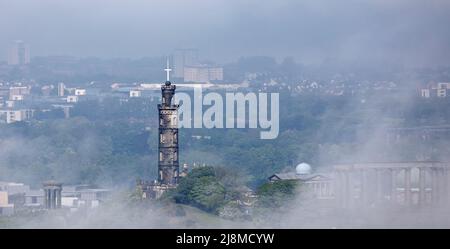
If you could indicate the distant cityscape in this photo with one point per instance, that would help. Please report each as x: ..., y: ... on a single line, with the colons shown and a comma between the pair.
x: 55, y: 87
x: 29, y: 87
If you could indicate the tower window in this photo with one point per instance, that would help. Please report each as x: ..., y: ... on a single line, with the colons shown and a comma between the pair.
x: 174, y: 121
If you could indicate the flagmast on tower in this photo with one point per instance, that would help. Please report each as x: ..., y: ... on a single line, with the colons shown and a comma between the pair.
x: 168, y: 70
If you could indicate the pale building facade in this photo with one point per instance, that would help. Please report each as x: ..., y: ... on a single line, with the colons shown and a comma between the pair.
x: 19, y: 53
x: 202, y: 74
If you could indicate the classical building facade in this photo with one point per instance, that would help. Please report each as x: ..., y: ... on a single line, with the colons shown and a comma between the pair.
x: 420, y: 183
x: 378, y: 184
x: 320, y: 185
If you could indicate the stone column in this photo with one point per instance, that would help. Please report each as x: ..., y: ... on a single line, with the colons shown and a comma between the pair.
x: 58, y: 198
x: 422, y: 194
x: 362, y: 180
x: 447, y: 184
x: 438, y: 186
x: 393, y: 186
x: 434, y: 186
x: 442, y: 186
x: 379, y: 184
x: 47, y: 194
x: 49, y: 198
x: 349, y: 189
x: 344, y: 189
x: 338, y: 188
x: 317, y: 189
x: 46, y: 198
x: 407, y: 186
x: 447, y: 180
x: 52, y: 197
x: 322, y: 190
x: 328, y: 191
x: 371, y: 186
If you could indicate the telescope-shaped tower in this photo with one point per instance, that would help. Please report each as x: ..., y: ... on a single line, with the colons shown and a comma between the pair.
x: 168, y: 166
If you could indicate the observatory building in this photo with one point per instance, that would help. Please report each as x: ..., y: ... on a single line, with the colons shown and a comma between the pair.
x: 320, y: 184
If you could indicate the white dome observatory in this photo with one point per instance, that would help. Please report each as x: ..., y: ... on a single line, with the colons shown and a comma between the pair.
x: 303, y: 169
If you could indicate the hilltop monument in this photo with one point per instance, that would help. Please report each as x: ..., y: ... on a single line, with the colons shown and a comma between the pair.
x: 168, y: 165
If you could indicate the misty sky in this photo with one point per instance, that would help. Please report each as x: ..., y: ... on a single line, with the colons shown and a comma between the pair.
x: 409, y: 32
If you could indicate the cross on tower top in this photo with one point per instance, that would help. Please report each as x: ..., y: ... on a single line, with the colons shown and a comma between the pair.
x: 168, y: 69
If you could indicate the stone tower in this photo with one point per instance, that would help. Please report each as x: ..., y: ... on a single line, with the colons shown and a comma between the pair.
x: 168, y: 166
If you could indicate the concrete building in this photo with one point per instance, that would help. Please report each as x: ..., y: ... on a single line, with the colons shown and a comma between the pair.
x: 83, y: 196
x: 202, y: 73
x: 18, y: 93
x: 68, y: 197
x: 80, y: 92
x: 16, y: 97
x: 61, y: 89
x: 34, y: 199
x: 19, y: 90
x: 196, y: 74
x: 3, y: 198
x: 5, y: 207
x: 11, y: 116
x: 215, y: 73
x: 9, y: 104
x: 65, y: 109
x: 51, y: 196
x: 47, y: 90
x: 183, y: 58
x: 19, y: 53
x: 4, y: 91
x: 14, y: 187
x: 93, y: 197
x: 72, y: 99
x: 135, y: 93
x: 11, y: 196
